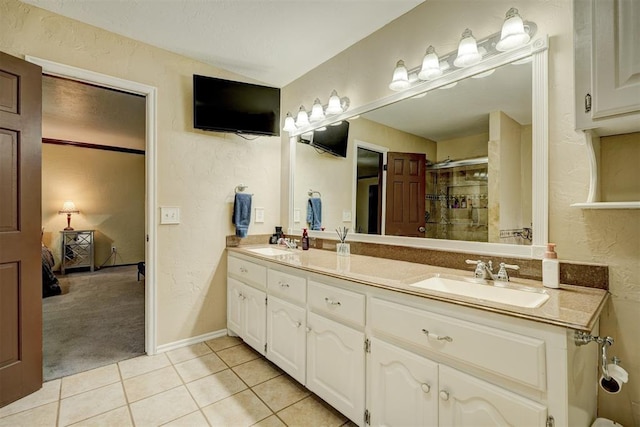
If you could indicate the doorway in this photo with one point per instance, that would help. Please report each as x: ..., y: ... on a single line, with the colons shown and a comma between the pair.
x: 150, y: 95
x: 369, y: 187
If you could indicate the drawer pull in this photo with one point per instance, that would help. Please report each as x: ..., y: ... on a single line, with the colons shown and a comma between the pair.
x: 308, y: 329
x: 298, y: 324
x: 243, y: 269
x: 426, y: 388
x: 241, y: 296
x: 283, y: 285
x: 444, y: 395
x: 437, y: 337
x: 332, y: 302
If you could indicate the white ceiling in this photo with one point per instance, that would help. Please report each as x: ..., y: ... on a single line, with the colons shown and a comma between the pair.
x: 272, y: 41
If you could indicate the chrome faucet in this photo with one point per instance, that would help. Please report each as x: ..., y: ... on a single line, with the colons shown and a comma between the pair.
x: 484, y: 270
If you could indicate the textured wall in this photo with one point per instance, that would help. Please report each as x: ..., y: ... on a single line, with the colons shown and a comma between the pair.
x: 196, y: 170
x: 363, y: 71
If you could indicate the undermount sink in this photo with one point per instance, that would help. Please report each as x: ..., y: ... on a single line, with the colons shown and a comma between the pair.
x: 269, y: 251
x: 503, y: 293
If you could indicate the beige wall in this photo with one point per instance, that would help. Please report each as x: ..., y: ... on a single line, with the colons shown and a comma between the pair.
x: 466, y: 147
x: 363, y: 71
x: 107, y: 187
x: 196, y: 170
x: 620, y: 167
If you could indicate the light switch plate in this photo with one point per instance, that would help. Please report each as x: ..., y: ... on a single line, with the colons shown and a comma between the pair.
x: 169, y: 215
x: 296, y: 215
x: 259, y: 215
x: 346, y: 216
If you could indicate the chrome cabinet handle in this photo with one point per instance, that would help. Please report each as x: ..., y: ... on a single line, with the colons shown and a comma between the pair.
x: 444, y: 395
x: 332, y: 302
x: 425, y: 387
x: 446, y: 338
x: 283, y: 285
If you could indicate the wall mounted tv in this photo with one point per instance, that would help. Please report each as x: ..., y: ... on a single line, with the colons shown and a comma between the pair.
x: 333, y: 139
x: 229, y: 106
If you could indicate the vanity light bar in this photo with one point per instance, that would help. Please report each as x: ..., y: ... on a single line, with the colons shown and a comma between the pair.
x: 336, y: 105
x: 515, y: 33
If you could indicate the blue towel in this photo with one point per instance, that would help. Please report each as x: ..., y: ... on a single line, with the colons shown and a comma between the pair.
x: 242, y: 213
x: 314, y: 213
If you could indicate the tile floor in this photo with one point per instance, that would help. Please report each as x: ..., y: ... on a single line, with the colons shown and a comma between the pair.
x: 221, y: 382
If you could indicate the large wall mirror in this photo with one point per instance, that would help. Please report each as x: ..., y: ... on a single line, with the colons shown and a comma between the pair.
x: 471, y: 149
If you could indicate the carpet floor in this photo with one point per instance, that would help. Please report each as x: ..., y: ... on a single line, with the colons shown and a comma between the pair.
x: 96, y: 321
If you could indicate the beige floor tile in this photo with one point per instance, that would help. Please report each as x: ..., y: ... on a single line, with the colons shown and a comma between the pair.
x: 240, y: 410
x: 236, y: 355
x: 221, y: 343
x: 311, y: 412
x: 271, y: 421
x: 256, y: 371
x: 89, y: 380
x: 91, y: 403
x: 44, y: 415
x: 186, y: 353
x: 280, y: 392
x: 143, y: 364
x: 151, y: 383
x: 194, y: 419
x: 215, y: 387
x: 194, y: 369
x: 118, y: 417
x: 162, y: 408
x: 50, y: 392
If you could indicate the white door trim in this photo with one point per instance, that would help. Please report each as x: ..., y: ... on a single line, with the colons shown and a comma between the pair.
x: 150, y: 92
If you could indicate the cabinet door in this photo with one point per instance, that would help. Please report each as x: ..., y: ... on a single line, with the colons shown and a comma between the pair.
x: 403, y: 387
x: 255, y: 316
x: 286, y: 337
x: 235, y: 303
x: 335, y: 365
x: 469, y: 401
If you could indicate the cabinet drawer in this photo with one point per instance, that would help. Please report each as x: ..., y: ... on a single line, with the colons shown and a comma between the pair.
x: 337, y: 302
x: 507, y: 354
x: 288, y: 286
x: 247, y: 271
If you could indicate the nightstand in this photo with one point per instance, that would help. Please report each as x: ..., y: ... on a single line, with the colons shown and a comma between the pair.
x: 77, y: 249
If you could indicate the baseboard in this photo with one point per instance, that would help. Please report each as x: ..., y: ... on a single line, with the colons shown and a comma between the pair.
x: 190, y: 341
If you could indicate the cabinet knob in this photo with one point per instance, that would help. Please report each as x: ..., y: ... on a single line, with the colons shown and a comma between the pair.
x: 284, y: 285
x: 308, y: 329
x: 444, y: 395
x: 426, y: 388
x: 298, y: 324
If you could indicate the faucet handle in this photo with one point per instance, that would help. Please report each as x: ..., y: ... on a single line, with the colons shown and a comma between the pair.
x: 480, y: 268
x: 502, y: 273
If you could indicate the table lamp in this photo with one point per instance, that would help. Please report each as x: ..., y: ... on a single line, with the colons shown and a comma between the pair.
x: 69, y: 207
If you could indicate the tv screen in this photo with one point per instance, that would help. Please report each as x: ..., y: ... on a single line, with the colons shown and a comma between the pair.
x: 228, y: 106
x: 333, y: 139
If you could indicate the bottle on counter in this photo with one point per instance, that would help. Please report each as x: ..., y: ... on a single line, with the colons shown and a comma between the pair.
x: 551, y: 267
x: 305, y: 239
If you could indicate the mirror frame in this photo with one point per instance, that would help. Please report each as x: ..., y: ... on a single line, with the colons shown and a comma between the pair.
x: 537, y: 49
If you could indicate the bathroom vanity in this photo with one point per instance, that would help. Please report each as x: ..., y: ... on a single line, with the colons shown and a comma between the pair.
x: 368, y: 337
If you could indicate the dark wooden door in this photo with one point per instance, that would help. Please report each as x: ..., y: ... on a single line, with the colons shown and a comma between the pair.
x: 405, y: 194
x: 20, y: 234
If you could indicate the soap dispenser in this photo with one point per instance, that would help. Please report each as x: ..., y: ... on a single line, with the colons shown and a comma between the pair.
x: 305, y: 239
x: 551, y: 267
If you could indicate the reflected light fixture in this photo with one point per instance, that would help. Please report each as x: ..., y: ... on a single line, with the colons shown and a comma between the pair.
x: 289, y: 124
x: 302, y: 119
x: 400, y: 79
x: 317, y: 111
x: 513, y: 34
x: 335, y: 104
x: 467, y: 51
x: 430, y: 65
x: 68, y: 208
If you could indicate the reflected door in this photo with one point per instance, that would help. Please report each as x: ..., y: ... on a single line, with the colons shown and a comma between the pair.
x: 405, y: 194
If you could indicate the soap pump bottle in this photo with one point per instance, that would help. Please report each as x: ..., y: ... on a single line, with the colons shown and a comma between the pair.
x: 305, y: 239
x: 551, y: 267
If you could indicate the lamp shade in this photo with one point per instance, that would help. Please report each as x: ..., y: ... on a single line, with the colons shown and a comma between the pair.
x: 513, y: 34
x: 69, y: 207
x: 430, y: 65
x: 335, y: 105
x: 400, y: 80
x: 317, y: 112
x: 289, y: 124
x: 302, y: 119
x: 468, y: 54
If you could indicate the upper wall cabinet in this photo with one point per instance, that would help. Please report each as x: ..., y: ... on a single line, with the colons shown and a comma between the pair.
x: 607, y: 65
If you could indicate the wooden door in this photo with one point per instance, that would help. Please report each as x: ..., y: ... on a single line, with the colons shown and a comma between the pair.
x: 286, y: 337
x: 20, y: 234
x: 405, y: 194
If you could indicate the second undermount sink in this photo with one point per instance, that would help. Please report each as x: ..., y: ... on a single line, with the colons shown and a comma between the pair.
x: 497, y: 292
x: 270, y: 251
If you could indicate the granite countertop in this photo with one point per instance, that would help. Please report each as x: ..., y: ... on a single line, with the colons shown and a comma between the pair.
x: 574, y: 307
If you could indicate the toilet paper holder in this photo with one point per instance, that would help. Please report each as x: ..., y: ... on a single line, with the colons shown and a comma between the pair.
x: 609, y: 383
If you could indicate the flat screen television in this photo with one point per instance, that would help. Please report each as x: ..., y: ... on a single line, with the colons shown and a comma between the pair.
x: 333, y: 139
x: 229, y: 106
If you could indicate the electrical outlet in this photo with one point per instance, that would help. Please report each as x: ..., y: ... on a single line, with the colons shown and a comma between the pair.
x: 296, y: 215
x: 169, y: 215
x: 346, y: 216
x: 259, y: 215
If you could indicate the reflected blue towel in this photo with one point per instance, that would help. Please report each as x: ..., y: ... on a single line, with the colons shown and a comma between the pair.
x: 314, y: 213
x: 242, y: 213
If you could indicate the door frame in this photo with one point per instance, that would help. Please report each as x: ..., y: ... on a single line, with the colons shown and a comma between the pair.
x: 378, y: 149
x: 150, y: 94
